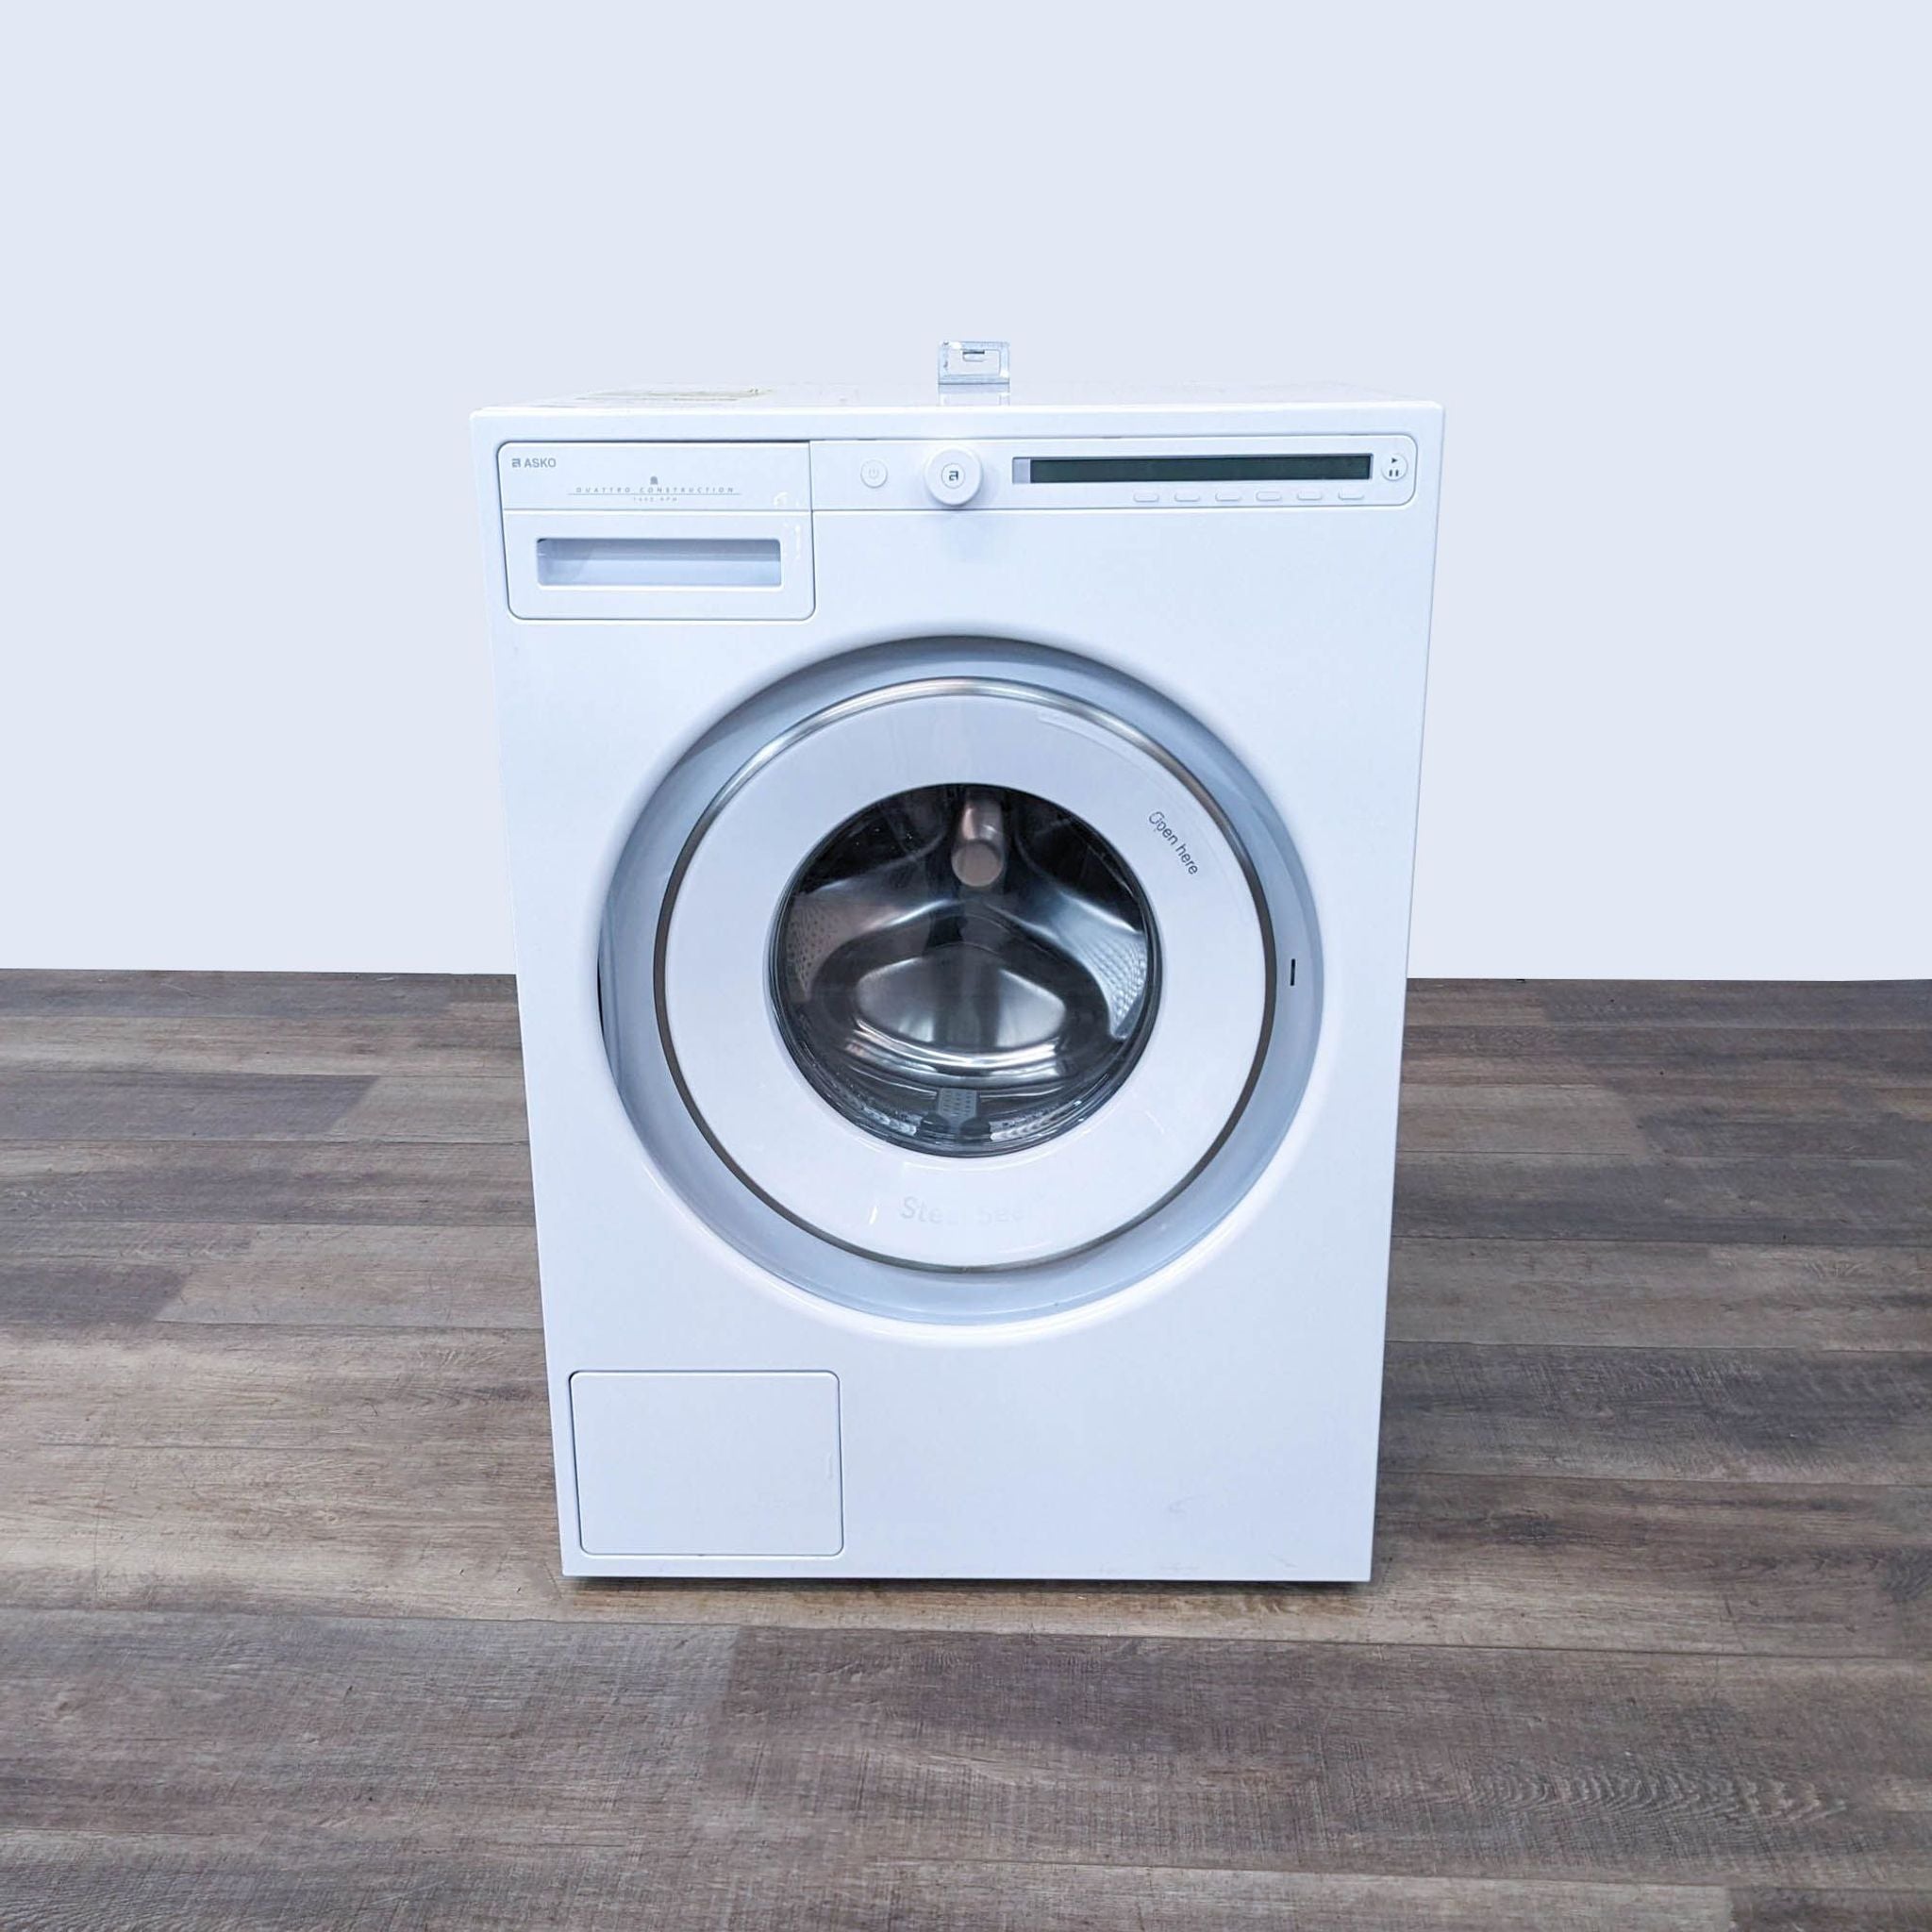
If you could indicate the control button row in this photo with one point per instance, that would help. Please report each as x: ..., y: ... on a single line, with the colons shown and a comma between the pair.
x: 1260, y: 496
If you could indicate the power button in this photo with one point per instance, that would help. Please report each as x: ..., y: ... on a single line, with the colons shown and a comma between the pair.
x: 871, y: 473
x: 1394, y: 467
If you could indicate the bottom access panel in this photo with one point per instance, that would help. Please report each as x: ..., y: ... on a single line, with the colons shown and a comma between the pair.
x: 702, y: 1463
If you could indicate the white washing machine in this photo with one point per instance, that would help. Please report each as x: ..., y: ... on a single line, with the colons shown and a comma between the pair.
x: 962, y: 849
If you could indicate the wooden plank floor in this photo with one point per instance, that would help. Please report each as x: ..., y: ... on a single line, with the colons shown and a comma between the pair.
x: 282, y: 1644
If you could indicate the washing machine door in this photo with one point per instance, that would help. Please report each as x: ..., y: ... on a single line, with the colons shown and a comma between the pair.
x: 964, y: 973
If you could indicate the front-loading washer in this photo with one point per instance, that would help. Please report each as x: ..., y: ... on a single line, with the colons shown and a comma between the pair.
x: 961, y: 850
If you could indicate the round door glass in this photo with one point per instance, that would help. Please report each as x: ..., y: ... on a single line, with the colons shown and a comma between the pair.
x: 967, y: 968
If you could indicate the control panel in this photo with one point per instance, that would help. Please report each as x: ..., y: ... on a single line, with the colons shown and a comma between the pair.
x: 1109, y: 472
x: 704, y: 530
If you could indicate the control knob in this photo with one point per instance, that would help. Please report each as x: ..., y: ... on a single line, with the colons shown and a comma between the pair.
x: 954, y: 477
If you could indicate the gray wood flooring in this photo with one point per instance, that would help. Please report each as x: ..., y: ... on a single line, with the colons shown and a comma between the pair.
x: 282, y: 1644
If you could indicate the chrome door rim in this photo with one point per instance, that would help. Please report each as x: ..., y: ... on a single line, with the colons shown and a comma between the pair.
x: 685, y: 806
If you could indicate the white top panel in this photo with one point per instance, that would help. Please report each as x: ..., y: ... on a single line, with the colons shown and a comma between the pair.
x: 798, y: 413
x: 815, y: 397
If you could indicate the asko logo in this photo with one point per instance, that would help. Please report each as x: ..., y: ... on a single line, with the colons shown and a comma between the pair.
x: 534, y: 463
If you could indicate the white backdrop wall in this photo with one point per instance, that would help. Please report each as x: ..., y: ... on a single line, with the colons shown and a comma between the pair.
x: 1664, y: 265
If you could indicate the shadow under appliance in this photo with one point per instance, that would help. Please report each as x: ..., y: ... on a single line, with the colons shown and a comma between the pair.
x: 961, y: 850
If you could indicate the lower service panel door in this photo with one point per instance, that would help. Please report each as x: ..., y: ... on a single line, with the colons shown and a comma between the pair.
x: 963, y: 975
x: 706, y: 1464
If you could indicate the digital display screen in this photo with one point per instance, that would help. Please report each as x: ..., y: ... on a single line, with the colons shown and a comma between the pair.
x: 1348, y: 466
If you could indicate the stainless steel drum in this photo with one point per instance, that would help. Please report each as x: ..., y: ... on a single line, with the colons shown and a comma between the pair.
x: 966, y: 967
